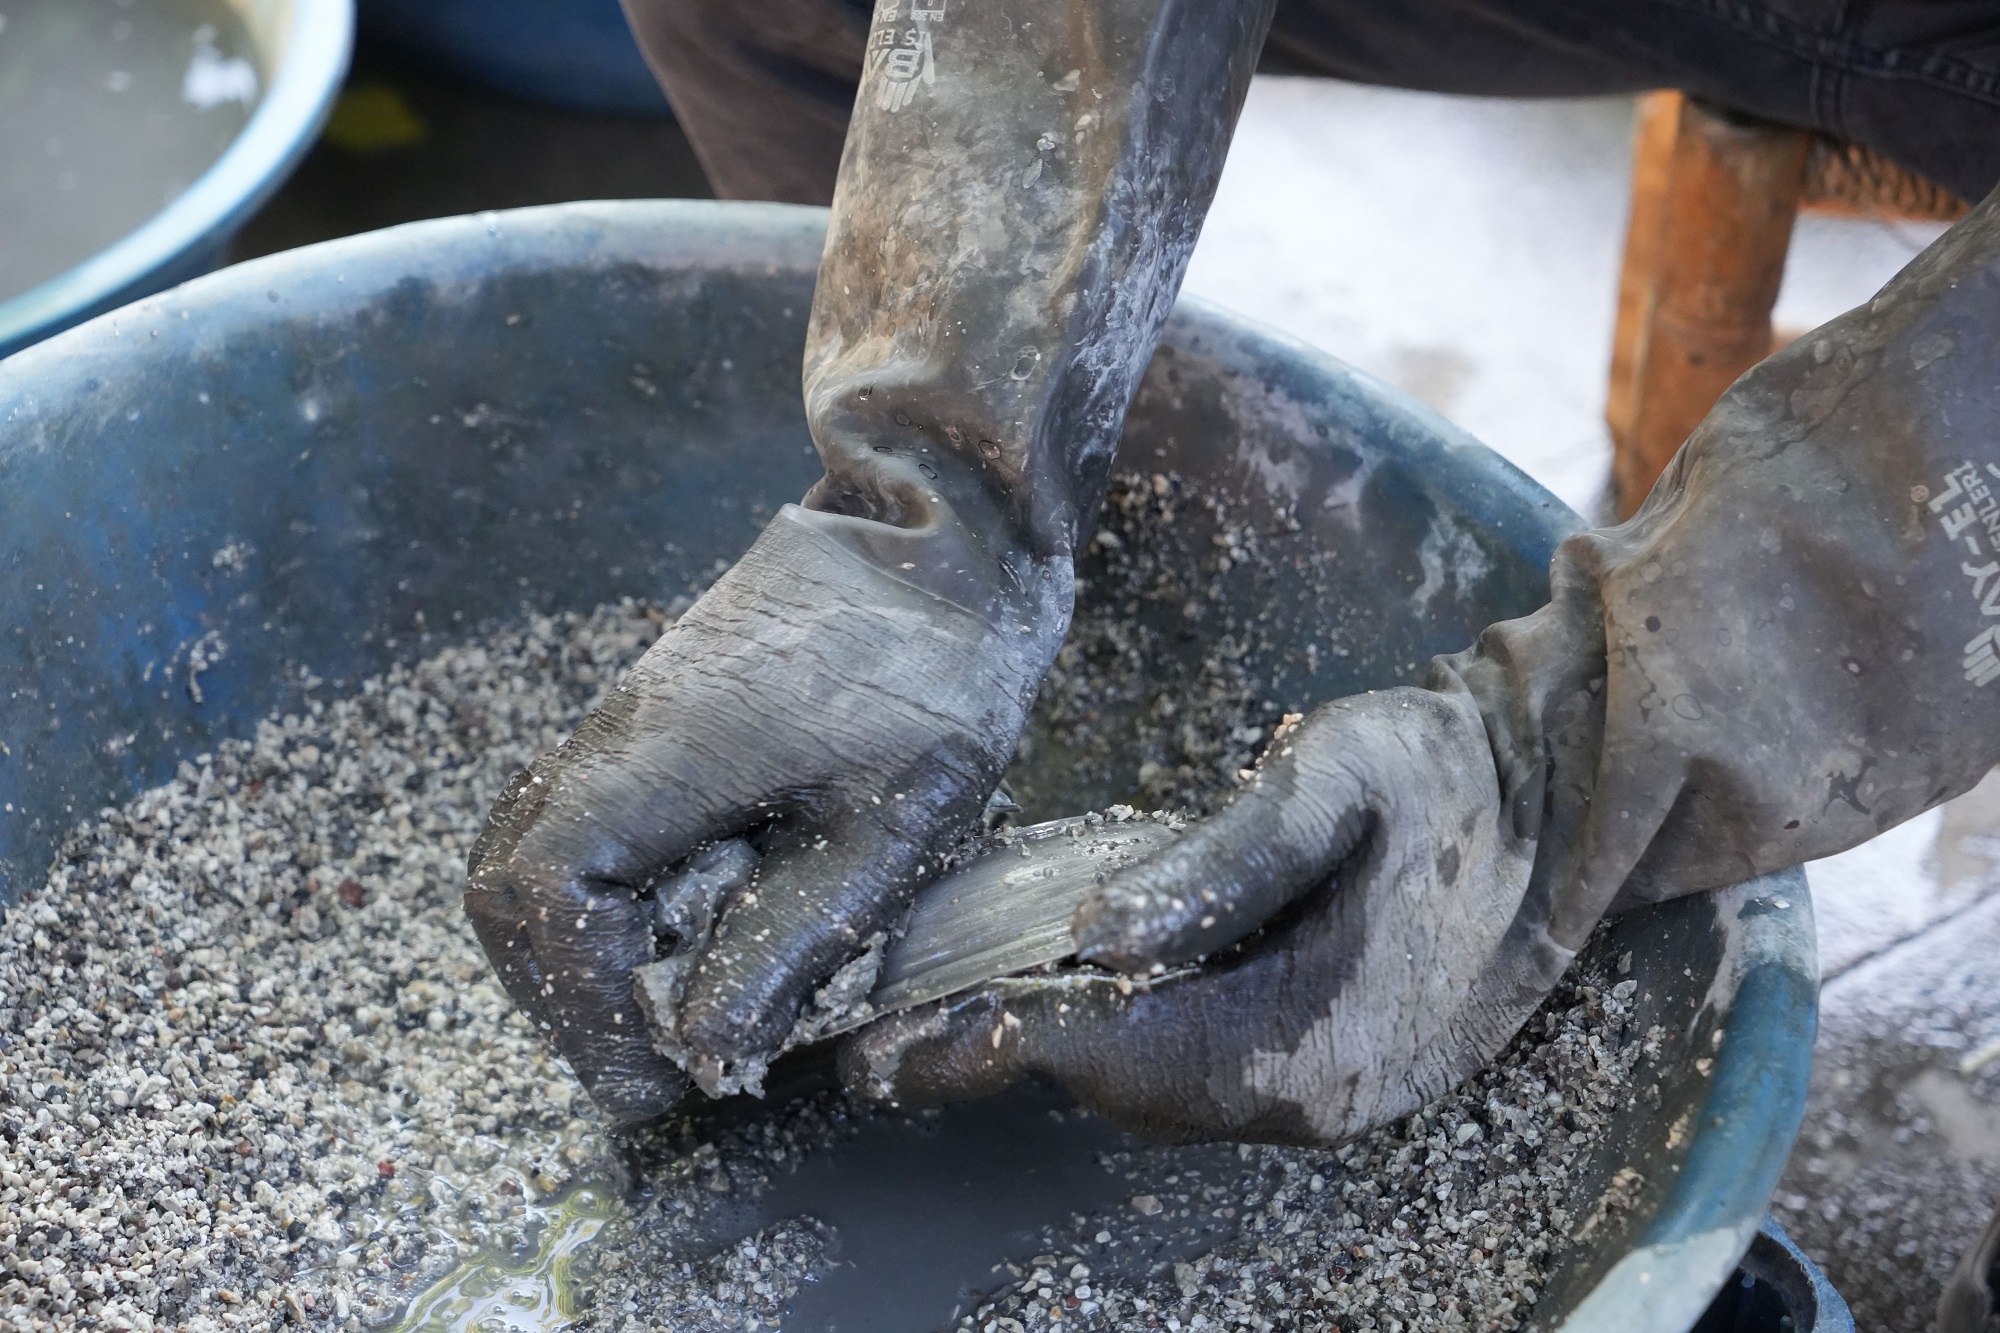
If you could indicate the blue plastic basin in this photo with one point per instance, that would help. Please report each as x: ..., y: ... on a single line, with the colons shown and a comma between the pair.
x: 398, y: 437
x: 578, y: 54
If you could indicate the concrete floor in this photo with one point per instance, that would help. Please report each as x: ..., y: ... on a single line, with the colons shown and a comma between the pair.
x: 1466, y: 251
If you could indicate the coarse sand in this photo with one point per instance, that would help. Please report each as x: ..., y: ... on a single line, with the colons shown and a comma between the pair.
x: 255, y: 1073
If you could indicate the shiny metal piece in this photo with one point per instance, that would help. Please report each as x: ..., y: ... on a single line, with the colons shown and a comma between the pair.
x: 1006, y: 912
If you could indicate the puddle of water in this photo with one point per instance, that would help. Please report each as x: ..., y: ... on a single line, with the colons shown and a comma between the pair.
x: 921, y: 1210
x: 527, y: 1291
x: 924, y: 1211
x: 923, y: 1214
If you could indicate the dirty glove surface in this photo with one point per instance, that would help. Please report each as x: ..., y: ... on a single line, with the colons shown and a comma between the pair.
x: 1023, y: 183
x: 869, y: 718
x: 1373, y: 840
x: 1794, y: 646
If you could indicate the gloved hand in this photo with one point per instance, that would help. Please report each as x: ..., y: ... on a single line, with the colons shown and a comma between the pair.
x: 869, y: 718
x: 1792, y: 647
x: 1390, y: 800
x: 1022, y: 185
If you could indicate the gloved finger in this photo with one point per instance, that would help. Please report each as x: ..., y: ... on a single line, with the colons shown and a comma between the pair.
x: 687, y: 902
x: 585, y: 1013
x: 497, y: 921
x: 491, y: 906
x: 587, y: 938
x: 1300, y: 814
x: 569, y: 858
x: 951, y: 1050
x: 820, y: 892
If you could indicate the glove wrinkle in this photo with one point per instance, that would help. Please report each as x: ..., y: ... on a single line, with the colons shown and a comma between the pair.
x: 984, y: 313
x: 1764, y: 665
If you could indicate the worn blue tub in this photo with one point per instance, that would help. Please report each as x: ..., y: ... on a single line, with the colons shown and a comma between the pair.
x: 402, y: 435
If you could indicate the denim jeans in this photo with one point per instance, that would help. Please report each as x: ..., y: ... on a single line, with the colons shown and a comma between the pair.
x: 763, y: 89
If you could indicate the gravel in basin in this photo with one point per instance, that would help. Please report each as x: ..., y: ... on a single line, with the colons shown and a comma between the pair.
x: 255, y: 1073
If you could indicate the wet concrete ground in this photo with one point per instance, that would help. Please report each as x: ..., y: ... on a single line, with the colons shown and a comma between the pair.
x: 1466, y: 251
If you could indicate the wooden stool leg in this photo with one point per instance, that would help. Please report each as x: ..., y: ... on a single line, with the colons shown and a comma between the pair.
x: 1657, y: 121
x: 1713, y: 202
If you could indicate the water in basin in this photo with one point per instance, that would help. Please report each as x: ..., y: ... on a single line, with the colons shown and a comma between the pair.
x: 109, y: 109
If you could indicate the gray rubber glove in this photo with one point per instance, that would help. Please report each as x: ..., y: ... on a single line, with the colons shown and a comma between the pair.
x: 867, y: 718
x: 1794, y: 646
x: 1288, y: 1038
x: 1023, y: 183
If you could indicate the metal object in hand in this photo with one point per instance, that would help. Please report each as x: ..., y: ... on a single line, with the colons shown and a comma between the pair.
x: 1006, y: 912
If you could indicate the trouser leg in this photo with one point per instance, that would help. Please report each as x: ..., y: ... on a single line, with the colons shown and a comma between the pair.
x: 1916, y: 80
x: 764, y: 89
